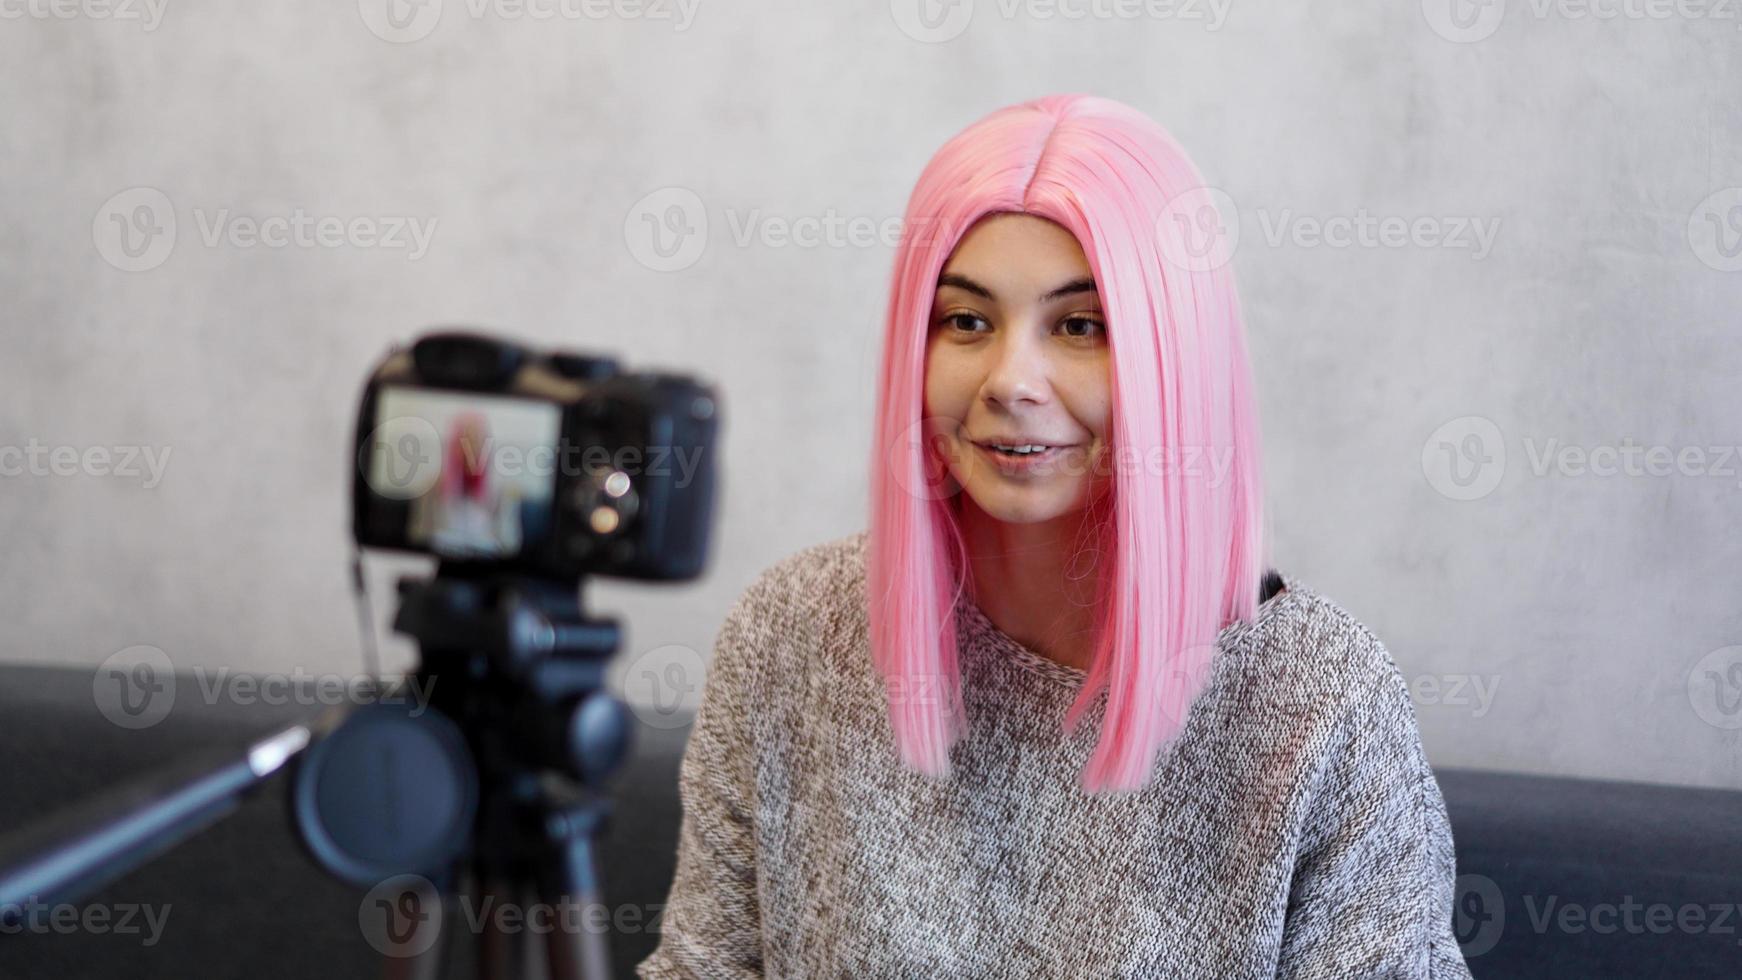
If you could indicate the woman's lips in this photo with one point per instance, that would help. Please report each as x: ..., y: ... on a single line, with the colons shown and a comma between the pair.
x: 1024, y: 465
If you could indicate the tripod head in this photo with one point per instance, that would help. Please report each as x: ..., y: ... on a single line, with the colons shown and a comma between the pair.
x: 531, y: 664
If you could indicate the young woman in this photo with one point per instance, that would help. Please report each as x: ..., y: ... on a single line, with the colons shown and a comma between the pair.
x: 1052, y: 715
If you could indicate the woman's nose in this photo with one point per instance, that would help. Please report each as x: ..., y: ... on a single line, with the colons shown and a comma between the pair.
x: 1020, y: 370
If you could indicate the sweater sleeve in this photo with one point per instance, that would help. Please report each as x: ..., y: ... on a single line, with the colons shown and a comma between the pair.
x: 712, y: 922
x: 1374, y: 877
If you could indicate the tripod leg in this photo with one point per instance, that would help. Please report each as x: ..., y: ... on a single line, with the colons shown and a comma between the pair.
x: 498, y: 950
x: 578, y: 950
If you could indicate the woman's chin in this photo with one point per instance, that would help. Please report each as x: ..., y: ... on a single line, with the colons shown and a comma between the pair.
x: 1034, y: 502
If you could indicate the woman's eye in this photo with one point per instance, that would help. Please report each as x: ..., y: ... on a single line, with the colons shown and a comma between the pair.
x: 1090, y: 327
x: 965, y: 321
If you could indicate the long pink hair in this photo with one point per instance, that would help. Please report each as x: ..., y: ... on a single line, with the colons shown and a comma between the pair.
x: 1187, y: 554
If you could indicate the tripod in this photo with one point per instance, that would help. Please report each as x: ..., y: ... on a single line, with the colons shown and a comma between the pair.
x: 494, y: 792
x: 491, y: 787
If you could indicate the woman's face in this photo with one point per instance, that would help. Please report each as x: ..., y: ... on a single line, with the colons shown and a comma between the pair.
x: 1018, y: 354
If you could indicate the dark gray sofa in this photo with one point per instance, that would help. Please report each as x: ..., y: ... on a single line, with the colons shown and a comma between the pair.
x: 1558, y: 877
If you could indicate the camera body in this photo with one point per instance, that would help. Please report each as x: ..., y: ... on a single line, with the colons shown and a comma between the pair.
x: 489, y: 454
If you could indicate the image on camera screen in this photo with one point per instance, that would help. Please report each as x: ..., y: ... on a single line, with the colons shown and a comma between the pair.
x: 477, y: 471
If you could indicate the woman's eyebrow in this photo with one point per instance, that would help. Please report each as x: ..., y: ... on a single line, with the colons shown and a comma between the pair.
x: 1085, y: 285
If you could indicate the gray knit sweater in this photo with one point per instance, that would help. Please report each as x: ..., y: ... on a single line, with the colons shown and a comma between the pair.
x: 1294, y: 830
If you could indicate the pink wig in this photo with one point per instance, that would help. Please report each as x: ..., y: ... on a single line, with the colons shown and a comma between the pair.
x: 466, y: 473
x: 1187, y: 555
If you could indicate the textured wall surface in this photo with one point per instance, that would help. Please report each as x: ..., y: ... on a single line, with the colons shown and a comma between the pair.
x: 1491, y: 257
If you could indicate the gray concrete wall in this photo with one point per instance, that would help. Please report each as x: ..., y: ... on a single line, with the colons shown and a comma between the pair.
x: 1550, y: 276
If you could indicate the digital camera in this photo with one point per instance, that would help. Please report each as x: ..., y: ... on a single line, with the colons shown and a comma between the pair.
x: 487, y: 453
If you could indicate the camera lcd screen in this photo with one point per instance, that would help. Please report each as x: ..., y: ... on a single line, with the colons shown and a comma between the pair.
x: 473, y: 475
